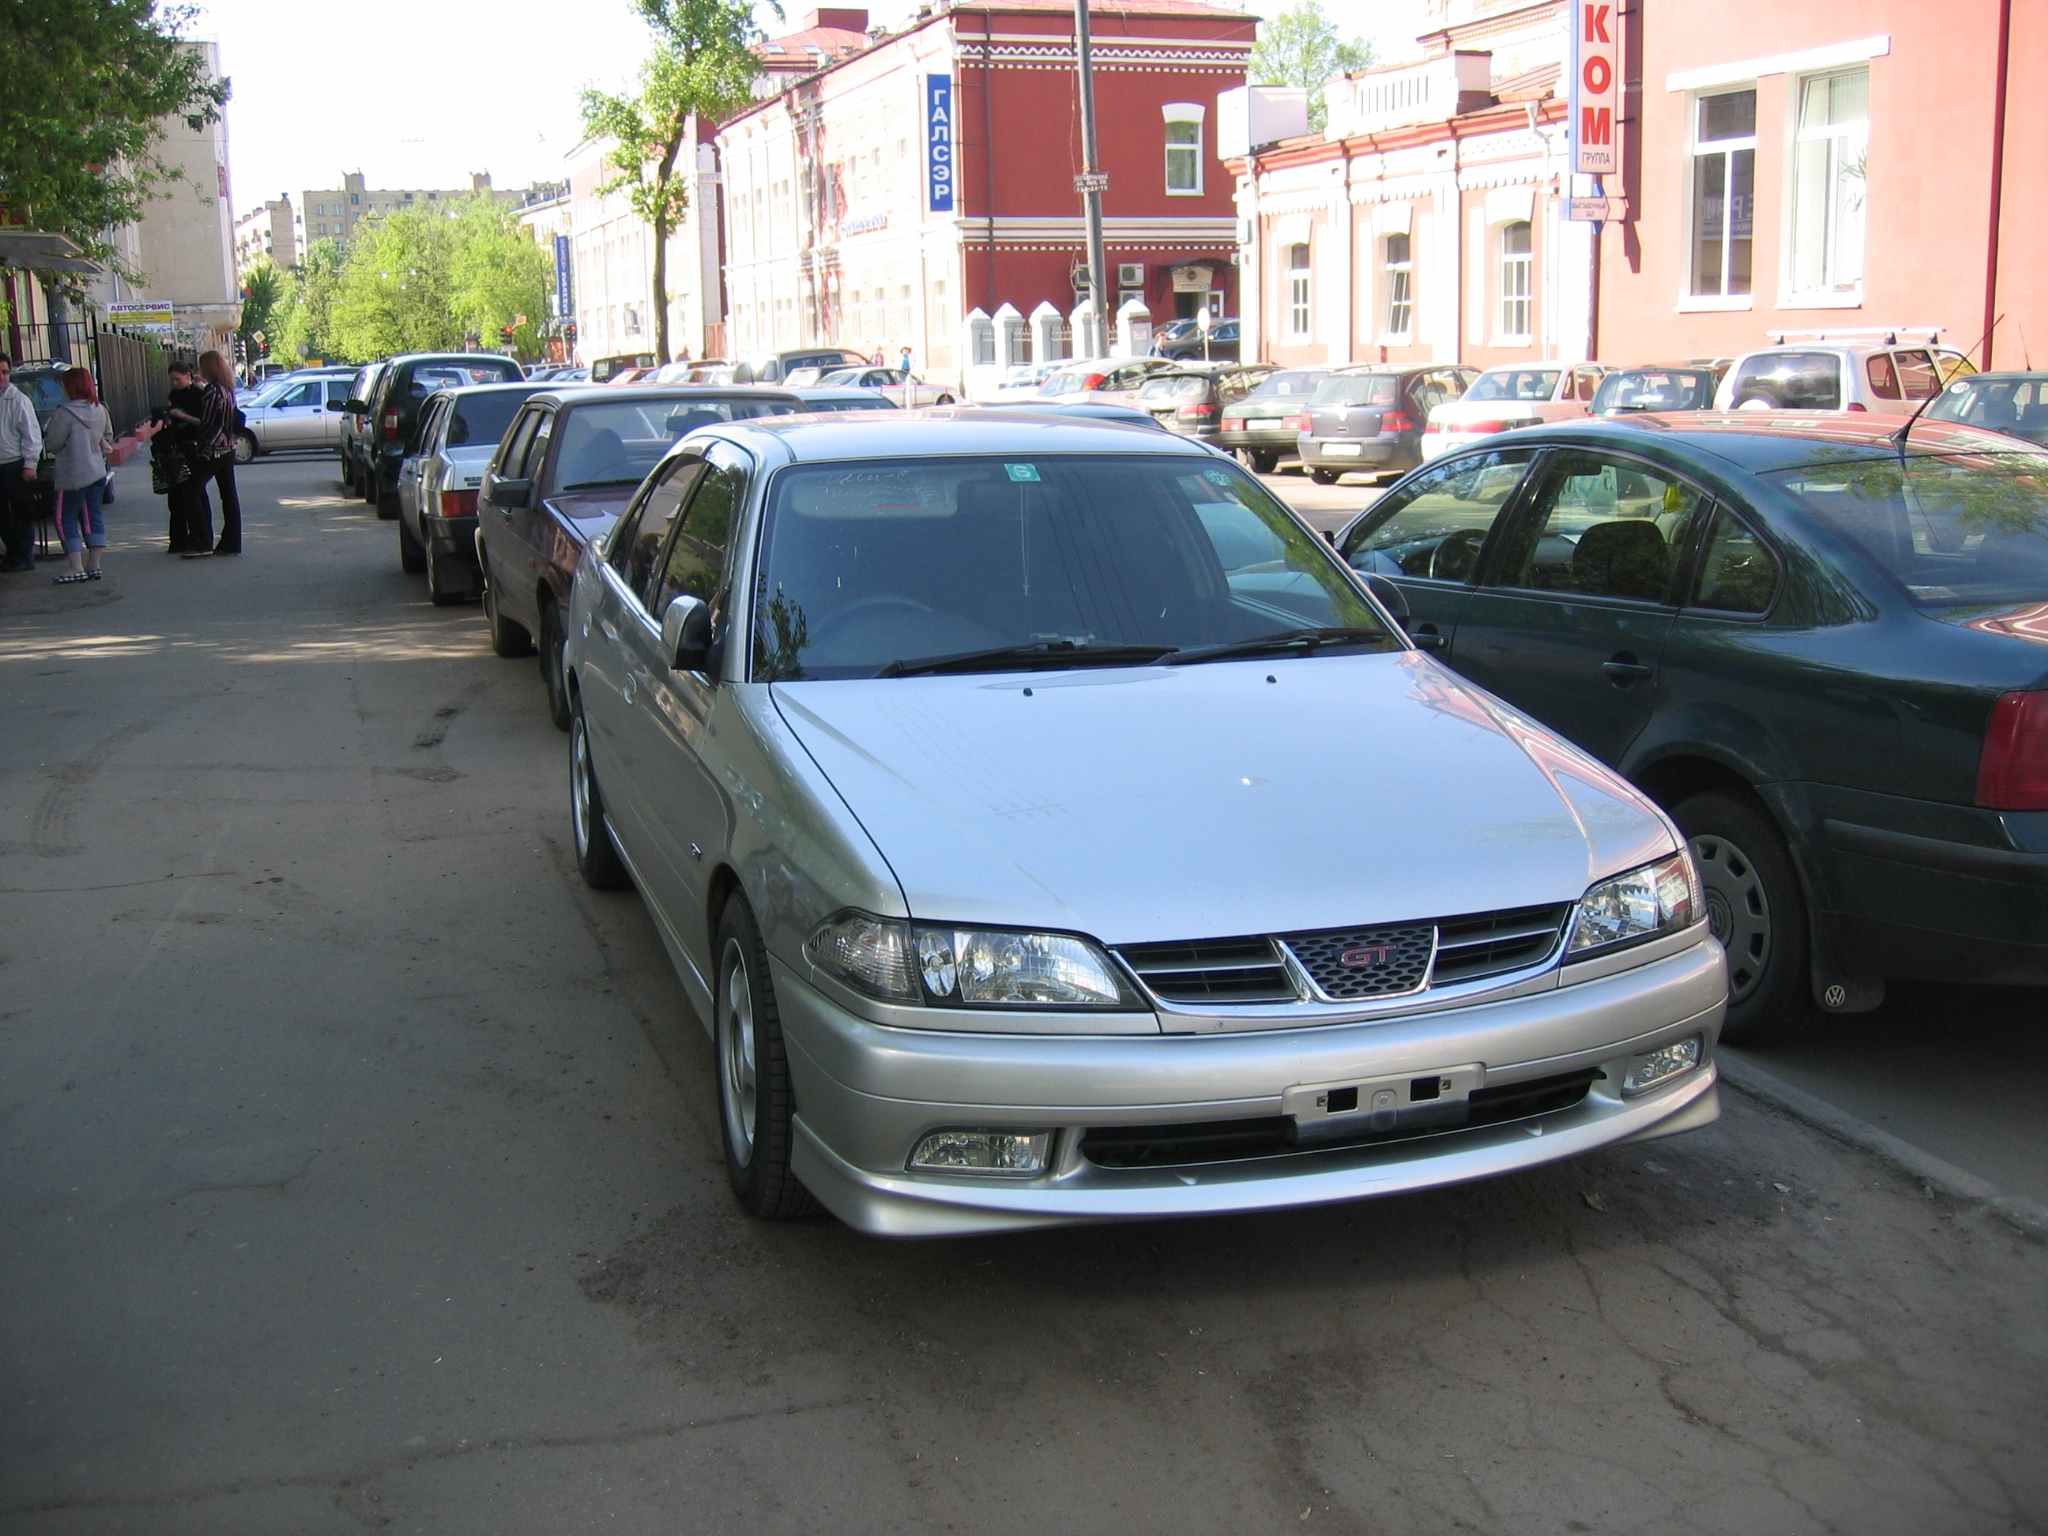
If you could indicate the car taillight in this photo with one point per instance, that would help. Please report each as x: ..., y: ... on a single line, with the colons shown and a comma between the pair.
x: 1397, y: 421
x: 1486, y: 426
x: 1855, y: 405
x: 1432, y: 427
x: 1296, y: 424
x: 391, y: 426
x: 2012, y: 771
x: 1094, y: 381
x: 1196, y: 412
x: 458, y: 503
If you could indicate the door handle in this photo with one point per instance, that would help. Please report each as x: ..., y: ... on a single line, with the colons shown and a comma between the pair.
x: 1623, y: 668
x: 628, y: 688
x: 611, y: 632
x: 1427, y: 637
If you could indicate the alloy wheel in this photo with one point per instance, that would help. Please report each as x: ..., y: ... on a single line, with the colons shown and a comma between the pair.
x: 738, y: 1081
x: 1738, y: 910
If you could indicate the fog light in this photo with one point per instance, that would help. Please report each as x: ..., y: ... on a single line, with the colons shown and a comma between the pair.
x: 1004, y: 1152
x: 1653, y: 1067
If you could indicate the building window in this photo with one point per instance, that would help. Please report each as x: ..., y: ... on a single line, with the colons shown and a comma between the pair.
x: 1400, y: 310
x: 1828, y: 158
x: 1183, y: 148
x: 1516, y: 263
x: 1723, y: 193
x: 1297, y: 292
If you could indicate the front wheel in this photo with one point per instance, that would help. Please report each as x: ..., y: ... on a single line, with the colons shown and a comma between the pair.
x: 245, y: 447
x: 596, y: 859
x: 1755, y: 908
x: 551, y: 665
x: 756, y: 1106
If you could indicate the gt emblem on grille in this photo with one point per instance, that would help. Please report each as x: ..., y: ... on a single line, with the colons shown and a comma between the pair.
x: 1364, y: 957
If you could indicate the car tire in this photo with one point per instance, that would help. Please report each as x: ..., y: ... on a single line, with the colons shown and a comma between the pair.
x: 550, y: 649
x: 387, y: 505
x: 756, y: 1106
x: 1265, y: 460
x: 1756, y: 909
x: 596, y: 859
x: 411, y: 558
x: 943, y: 400
x: 443, y: 595
x: 245, y: 447
x: 1323, y: 476
x: 508, y: 639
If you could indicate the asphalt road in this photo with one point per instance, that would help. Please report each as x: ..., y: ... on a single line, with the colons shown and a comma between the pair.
x: 362, y: 1174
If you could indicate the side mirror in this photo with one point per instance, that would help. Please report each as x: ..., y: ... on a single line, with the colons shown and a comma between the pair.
x: 355, y: 407
x: 510, y: 494
x: 686, y: 633
x: 1391, y: 598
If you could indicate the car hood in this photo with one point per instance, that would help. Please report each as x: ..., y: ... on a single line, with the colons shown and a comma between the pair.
x: 590, y: 513
x: 1161, y: 803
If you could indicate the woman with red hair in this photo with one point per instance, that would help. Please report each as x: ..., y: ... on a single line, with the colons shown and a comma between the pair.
x: 80, y: 437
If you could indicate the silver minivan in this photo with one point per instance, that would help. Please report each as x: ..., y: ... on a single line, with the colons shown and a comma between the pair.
x: 1051, y: 829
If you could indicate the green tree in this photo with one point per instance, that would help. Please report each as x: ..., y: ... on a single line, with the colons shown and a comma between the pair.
x: 306, y: 307
x: 263, y: 295
x: 393, y: 293
x: 497, y: 276
x: 91, y: 87
x: 1303, y: 47
x: 703, y: 67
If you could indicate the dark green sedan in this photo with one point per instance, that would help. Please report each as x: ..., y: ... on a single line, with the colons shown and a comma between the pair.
x: 1823, y: 651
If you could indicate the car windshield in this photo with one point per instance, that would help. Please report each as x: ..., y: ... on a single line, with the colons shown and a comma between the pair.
x: 1289, y: 383
x: 483, y: 418
x: 45, y: 390
x: 876, y: 565
x: 1357, y: 389
x: 2018, y: 407
x: 1953, y: 529
x: 1514, y: 384
x: 263, y: 394
x: 1655, y: 389
x: 603, y: 443
x: 1163, y: 389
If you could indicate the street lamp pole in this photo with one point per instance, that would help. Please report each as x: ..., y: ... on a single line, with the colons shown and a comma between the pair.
x: 1092, y: 181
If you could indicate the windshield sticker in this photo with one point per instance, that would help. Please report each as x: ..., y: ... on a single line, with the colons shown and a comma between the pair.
x: 1025, y: 474
x: 1216, y: 476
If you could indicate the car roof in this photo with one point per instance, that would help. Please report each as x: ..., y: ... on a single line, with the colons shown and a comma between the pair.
x: 822, y: 392
x: 947, y: 431
x: 501, y: 387
x: 452, y: 357
x: 2000, y: 376
x: 569, y: 394
x: 1763, y: 441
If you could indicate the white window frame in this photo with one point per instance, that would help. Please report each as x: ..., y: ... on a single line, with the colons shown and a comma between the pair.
x: 1400, y: 280
x: 1300, y: 293
x: 1178, y: 114
x: 1790, y: 295
x: 1727, y: 149
x: 1507, y: 335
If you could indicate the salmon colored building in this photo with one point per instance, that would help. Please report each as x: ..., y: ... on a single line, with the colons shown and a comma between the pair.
x: 1830, y: 168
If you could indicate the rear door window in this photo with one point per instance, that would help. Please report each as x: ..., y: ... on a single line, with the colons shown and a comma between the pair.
x: 1917, y: 378
x: 1435, y: 527
x: 1883, y: 377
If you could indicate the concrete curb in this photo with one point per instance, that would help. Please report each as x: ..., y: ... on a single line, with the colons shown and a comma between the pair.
x: 1939, y: 1172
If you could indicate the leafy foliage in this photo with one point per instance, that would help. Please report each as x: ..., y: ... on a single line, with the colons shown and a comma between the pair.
x: 305, y: 309
x: 497, y: 273
x: 432, y: 279
x: 702, y: 67
x: 1303, y: 47
x: 265, y: 288
x: 90, y: 88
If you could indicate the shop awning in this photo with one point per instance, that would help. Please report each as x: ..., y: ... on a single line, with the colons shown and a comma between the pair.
x: 38, y: 251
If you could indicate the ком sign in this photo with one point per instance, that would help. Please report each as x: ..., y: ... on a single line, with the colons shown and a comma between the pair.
x: 1596, y: 92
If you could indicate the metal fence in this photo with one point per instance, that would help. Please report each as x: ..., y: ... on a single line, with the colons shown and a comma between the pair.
x: 128, y: 369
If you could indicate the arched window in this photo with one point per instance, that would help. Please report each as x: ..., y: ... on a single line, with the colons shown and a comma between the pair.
x: 1516, y: 265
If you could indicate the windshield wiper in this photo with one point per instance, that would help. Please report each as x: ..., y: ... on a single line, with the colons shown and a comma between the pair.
x: 1280, y: 640
x: 1059, y: 653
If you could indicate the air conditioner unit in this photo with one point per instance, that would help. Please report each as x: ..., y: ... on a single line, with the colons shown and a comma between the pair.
x: 1130, y: 274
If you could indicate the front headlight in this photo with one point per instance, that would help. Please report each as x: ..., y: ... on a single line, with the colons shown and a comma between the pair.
x: 1659, y: 898
x: 949, y: 967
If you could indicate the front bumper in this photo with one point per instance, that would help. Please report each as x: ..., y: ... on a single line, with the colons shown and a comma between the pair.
x: 866, y: 1094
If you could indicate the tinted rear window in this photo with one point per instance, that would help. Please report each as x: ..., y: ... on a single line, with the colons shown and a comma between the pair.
x: 1357, y: 389
x: 1514, y: 384
x: 1168, y: 388
x: 482, y: 419
x: 1291, y: 382
x: 1793, y: 381
x: 604, y: 443
x: 1952, y: 529
x: 1656, y: 389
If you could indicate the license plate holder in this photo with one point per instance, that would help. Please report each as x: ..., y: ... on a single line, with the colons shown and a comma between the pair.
x: 1342, y: 450
x: 1408, y: 1100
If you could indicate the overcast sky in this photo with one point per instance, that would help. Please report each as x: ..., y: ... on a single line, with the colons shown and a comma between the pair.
x: 419, y: 93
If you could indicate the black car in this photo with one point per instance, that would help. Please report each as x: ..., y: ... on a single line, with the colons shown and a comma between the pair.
x: 2013, y: 403
x: 356, y: 437
x: 774, y: 367
x: 1256, y: 428
x: 1823, y: 650
x: 1190, y: 346
x: 1371, y: 419
x: 390, y: 414
x: 1190, y: 399
x: 1663, y: 387
x: 565, y: 469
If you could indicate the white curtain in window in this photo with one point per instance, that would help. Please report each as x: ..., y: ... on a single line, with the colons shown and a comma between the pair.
x: 1828, y: 183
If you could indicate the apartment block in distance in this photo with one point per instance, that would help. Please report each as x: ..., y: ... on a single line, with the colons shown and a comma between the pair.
x: 332, y: 213
x: 266, y: 232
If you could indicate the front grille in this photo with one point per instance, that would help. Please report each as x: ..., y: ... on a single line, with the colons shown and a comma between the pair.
x: 1473, y: 948
x: 1347, y: 964
x: 1213, y: 971
x: 1229, y: 1141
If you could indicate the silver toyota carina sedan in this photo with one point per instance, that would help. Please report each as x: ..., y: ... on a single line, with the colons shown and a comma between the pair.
x: 1053, y: 830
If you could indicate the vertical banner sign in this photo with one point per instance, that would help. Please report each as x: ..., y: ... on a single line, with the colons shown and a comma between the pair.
x: 565, y: 299
x: 938, y: 143
x: 1596, y: 92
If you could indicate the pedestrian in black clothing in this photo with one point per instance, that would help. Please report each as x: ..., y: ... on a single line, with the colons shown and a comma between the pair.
x: 217, y: 437
x: 191, y: 513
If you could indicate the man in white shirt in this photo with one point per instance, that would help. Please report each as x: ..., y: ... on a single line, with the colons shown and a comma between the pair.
x: 21, y: 444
